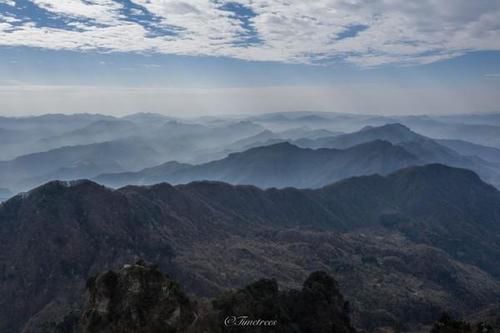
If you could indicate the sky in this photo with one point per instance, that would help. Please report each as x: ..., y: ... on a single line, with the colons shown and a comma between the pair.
x: 249, y: 56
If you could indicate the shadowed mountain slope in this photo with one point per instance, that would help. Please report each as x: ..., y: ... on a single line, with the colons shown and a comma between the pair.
x: 404, y: 246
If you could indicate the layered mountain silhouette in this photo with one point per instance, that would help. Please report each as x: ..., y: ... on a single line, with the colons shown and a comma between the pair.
x: 72, y: 162
x: 22, y: 135
x: 465, y: 148
x: 394, y: 133
x: 427, y: 150
x: 99, y: 131
x: 372, y: 150
x: 423, y: 147
x: 279, y: 165
x: 403, y: 247
x: 52, y: 122
x: 86, y: 146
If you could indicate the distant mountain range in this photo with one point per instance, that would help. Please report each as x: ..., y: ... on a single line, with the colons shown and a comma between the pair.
x: 450, y: 152
x: 152, y: 139
x: 60, y: 122
x: 465, y: 148
x: 403, y: 247
x: 96, y: 132
x: 479, y: 128
x: 372, y: 150
x: 75, y: 162
x: 394, y: 133
x: 279, y: 165
x: 238, y: 152
x: 146, y: 176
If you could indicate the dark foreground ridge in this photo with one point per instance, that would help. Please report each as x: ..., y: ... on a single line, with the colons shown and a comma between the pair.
x: 403, y: 248
x: 139, y: 298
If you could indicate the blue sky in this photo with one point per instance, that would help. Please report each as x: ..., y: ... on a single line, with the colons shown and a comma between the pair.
x: 396, y: 52
x: 25, y: 65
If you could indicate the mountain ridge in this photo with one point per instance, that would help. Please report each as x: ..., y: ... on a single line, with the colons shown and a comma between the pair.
x: 426, y: 149
x: 370, y: 231
x: 287, y: 165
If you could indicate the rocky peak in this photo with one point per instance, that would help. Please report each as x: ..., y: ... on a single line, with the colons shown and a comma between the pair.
x: 137, y: 298
x: 318, y: 307
x: 140, y: 299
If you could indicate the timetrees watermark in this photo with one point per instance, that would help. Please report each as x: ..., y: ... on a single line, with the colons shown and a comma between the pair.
x: 245, y: 321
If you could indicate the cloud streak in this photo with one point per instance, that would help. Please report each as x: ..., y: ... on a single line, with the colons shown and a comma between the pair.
x: 362, y: 32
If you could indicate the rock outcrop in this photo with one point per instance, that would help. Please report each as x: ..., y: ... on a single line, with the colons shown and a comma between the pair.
x: 140, y: 299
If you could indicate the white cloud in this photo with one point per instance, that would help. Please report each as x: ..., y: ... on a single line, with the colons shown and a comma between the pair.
x: 100, y: 11
x: 396, y: 31
x: 8, y: 2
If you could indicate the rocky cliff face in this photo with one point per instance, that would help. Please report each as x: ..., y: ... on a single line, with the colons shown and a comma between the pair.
x: 137, y: 298
x: 140, y: 299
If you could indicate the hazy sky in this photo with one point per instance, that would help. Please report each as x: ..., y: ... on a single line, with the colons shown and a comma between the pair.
x: 206, y: 57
